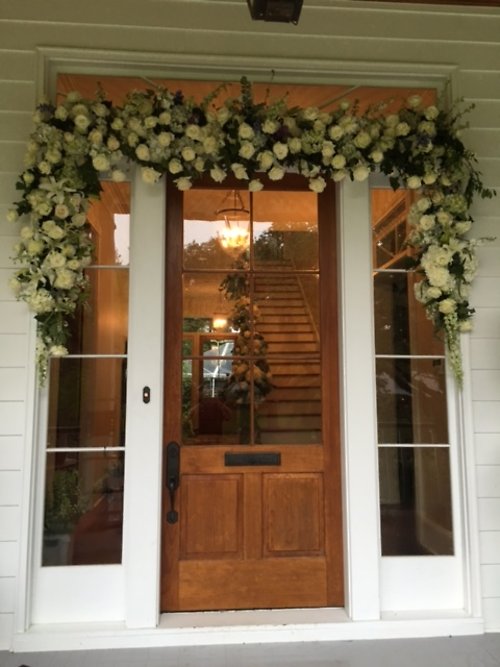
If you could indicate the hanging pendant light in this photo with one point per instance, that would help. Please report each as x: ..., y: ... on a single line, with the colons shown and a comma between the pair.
x: 235, y: 233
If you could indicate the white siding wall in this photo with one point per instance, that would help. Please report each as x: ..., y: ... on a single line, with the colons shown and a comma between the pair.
x: 342, y: 30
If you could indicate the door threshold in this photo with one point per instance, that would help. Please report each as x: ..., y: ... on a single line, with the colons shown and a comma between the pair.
x: 245, y: 627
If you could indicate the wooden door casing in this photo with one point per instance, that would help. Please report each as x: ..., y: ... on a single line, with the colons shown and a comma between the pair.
x: 254, y: 537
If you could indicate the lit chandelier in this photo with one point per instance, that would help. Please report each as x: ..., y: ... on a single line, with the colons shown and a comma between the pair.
x: 236, y: 232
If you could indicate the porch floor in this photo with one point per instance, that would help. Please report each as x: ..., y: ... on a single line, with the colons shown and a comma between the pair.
x: 473, y: 651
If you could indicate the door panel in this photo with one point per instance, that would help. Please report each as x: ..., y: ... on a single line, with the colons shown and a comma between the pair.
x: 251, y: 395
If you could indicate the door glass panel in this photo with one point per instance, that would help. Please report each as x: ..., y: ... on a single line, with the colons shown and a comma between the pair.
x: 109, y: 218
x: 251, y: 369
x: 83, y: 508
x: 401, y: 325
x: 216, y: 228
x: 285, y: 230
x: 411, y: 401
x: 415, y: 501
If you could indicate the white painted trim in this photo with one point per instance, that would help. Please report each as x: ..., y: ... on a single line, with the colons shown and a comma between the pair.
x: 227, y: 628
x: 359, y: 430
x: 144, y: 432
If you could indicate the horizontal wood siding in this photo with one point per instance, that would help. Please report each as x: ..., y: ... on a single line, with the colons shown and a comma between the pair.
x: 465, y: 38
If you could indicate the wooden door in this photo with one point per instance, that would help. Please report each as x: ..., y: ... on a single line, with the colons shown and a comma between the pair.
x: 251, y: 397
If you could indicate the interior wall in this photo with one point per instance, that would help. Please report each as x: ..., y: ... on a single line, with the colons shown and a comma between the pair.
x: 363, y: 34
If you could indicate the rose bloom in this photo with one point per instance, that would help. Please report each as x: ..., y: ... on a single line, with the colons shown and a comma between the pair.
x: 100, y: 163
x: 188, y: 154
x: 338, y: 161
x: 463, y: 226
x: 392, y: 120
x: 79, y: 219
x: 210, y: 145
x: 335, y: 132
x: 183, y: 183
x: 377, y: 156
x: 317, y: 184
x: 112, y: 143
x: 295, y: 145
x: 34, y: 247
x: 427, y: 222
x: 360, y: 173
x: 95, y: 137
x: 245, y: 131
x: 414, y: 101
x: 444, y: 218
x: 56, y: 233
x: 465, y: 326
x: 413, y: 182
x: 276, y: 173
x: 68, y: 250
x: 438, y: 276
x: 362, y: 139
x: 311, y: 113
x: 239, y: 171
x: 58, y: 351
x: 429, y: 178
x: 74, y: 264
x: 26, y: 233
x: 339, y: 175
x: 431, y: 113
x: 434, y: 292
x: 165, y: 118
x: 150, y: 175
x: 142, y: 152
x: 402, y: 129
x: 328, y: 149
x: 117, y: 124
x: 193, y: 132
x: 65, y: 279
x: 55, y: 260
x: 255, y: 185
x: 269, y: 126
x: 217, y: 174
x: 61, y: 113
x: 447, y: 306
x: 118, y: 176
x: 246, y: 151
x: 266, y: 160
x: 280, y: 150
x: 82, y: 122
x: 61, y: 211
x: 175, y: 166
x: 150, y: 122
x: 164, y: 139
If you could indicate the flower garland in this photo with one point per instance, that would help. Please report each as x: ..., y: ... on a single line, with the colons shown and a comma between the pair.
x: 80, y: 141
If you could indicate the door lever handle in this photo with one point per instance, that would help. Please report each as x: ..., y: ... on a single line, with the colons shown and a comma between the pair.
x: 173, y: 473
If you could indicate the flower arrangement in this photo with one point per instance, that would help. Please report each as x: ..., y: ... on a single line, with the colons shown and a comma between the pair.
x: 79, y: 141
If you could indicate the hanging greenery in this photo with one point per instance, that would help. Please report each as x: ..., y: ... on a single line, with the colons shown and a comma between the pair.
x: 79, y: 142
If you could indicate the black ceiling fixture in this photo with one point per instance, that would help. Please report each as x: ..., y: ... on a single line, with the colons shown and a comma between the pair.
x: 281, y: 11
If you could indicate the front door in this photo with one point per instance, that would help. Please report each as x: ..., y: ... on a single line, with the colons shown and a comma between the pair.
x: 252, y: 516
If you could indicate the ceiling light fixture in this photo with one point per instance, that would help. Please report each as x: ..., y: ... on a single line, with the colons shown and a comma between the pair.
x: 280, y: 11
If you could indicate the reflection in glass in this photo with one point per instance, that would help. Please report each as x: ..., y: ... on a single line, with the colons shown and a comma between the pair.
x: 206, y: 306
x: 401, y: 325
x: 101, y: 327
x: 415, y: 501
x: 109, y: 218
x: 216, y: 228
x: 87, y: 402
x: 411, y: 401
x: 285, y: 230
x: 83, y: 508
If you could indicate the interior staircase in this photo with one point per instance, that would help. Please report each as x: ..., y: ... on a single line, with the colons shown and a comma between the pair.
x: 291, y: 412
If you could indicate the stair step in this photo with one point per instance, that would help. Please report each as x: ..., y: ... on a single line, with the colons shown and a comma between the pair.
x: 295, y: 381
x: 280, y: 302
x: 271, y: 318
x: 270, y: 328
x: 291, y: 368
x: 290, y: 422
x: 287, y: 395
x: 291, y: 337
x: 290, y: 437
x: 292, y: 347
x: 291, y: 408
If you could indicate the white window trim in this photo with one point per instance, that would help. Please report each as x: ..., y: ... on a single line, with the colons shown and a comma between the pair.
x: 139, y: 578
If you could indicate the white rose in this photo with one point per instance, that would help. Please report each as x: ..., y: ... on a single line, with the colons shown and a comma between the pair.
x: 175, y: 166
x: 82, y: 122
x: 438, y: 276
x: 310, y: 113
x: 199, y: 164
x: 112, y: 143
x: 295, y: 145
x: 26, y: 233
x: 65, y: 279
x: 210, y: 145
x: 150, y: 122
x: 266, y: 160
x: 280, y: 150
x: 61, y: 113
x: 414, y: 101
x: 444, y: 218
x: 68, y: 251
x: 188, y: 154
x: 217, y: 174
x: 193, y: 132
x: 276, y: 173
x: 433, y: 292
x: 317, y: 184
x: 239, y: 171
x: 245, y: 131
x: 58, y: 351
x: 336, y: 132
x: 74, y: 264
x: 402, y: 129
x: 61, y: 211
x: 392, y: 120
x: 183, y: 183
x: 165, y: 118
x: 44, y: 167
x: 339, y: 175
x: 57, y: 233
x: 269, y: 126
x: 14, y: 285
x: 338, y: 161
x: 34, y: 247
x: 150, y: 175
x: 142, y: 152
x: 118, y: 176
x: 429, y: 178
x: 246, y: 151
x: 465, y: 326
x: 132, y: 139
x: 463, y: 226
x: 431, y: 113
x: 100, y: 163
x: 164, y: 139
x: 362, y: 139
x: 377, y: 156
x: 427, y: 222
x: 255, y: 185
x: 413, y: 182
x: 447, y: 306
x: 328, y: 149
x: 95, y: 137
x: 360, y: 173
x: 79, y: 219
x: 55, y: 260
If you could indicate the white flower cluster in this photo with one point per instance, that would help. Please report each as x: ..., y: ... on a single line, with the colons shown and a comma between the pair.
x: 77, y: 142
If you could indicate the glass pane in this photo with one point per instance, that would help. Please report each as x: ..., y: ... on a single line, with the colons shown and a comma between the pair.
x: 290, y: 413
x: 287, y: 312
x: 411, y: 401
x: 207, y: 305
x: 109, y: 218
x: 285, y: 230
x: 216, y: 228
x: 389, y: 210
x: 87, y: 403
x: 83, y: 508
x: 101, y: 327
x: 415, y: 501
x: 401, y: 325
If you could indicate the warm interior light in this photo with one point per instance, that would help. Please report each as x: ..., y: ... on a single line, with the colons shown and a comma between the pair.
x: 235, y: 233
x: 219, y: 322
